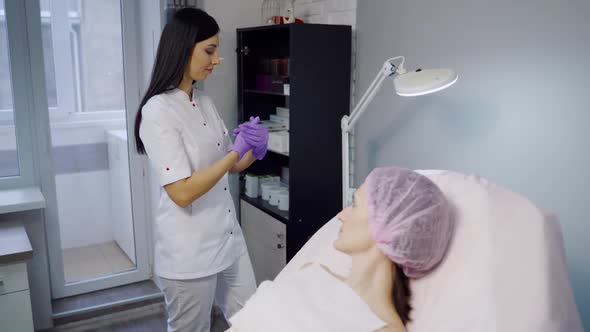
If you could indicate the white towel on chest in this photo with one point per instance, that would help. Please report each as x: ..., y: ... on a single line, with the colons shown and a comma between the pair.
x: 309, y: 300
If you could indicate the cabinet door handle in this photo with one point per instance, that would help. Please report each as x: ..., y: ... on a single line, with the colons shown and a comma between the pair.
x: 280, y: 246
x: 245, y: 50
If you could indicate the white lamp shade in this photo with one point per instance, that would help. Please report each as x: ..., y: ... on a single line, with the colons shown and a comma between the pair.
x: 421, y: 82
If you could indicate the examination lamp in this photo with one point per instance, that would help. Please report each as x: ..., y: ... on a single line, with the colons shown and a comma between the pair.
x: 406, y: 84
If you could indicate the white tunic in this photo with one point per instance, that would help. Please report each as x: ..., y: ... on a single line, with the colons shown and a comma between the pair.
x: 180, y: 137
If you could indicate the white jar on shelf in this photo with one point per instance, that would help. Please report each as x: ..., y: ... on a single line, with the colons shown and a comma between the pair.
x: 274, y: 195
x: 267, y: 189
x: 251, y: 186
x: 283, y: 200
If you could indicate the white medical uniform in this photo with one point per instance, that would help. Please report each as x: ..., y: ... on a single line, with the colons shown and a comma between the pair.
x: 200, y: 252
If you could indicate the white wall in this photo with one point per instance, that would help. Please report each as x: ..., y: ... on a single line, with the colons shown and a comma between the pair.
x: 518, y: 115
x: 327, y: 11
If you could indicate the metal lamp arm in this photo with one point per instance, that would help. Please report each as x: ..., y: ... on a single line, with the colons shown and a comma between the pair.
x: 348, y: 122
x: 388, y: 69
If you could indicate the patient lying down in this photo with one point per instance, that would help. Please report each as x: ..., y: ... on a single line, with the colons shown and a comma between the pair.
x: 398, y: 228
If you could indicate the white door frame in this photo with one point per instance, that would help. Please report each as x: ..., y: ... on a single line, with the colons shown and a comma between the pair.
x: 20, y: 78
x: 45, y: 167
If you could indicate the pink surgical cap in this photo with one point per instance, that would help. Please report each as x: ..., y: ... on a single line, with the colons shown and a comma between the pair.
x: 409, y: 218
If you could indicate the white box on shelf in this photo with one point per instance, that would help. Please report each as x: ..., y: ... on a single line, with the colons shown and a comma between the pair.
x: 286, y: 89
x: 273, y: 126
x: 282, y: 111
x: 279, y: 119
x: 278, y: 141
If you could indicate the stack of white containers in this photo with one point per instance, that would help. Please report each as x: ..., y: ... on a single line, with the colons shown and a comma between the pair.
x: 270, y: 188
x: 278, y: 140
x: 275, y: 192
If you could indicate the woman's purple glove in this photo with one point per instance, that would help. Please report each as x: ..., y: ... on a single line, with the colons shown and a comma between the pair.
x: 254, y: 134
x: 241, y: 146
x: 260, y: 151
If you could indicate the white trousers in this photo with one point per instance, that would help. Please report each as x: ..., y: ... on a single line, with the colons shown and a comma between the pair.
x: 189, y: 302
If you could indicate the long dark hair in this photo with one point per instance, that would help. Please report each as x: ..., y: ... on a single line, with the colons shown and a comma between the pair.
x: 187, y: 27
x: 402, y: 295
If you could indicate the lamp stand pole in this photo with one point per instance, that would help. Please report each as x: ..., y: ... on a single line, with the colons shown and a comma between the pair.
x: 348, y: 122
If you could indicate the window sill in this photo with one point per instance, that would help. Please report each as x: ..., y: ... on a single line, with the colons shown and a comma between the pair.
x: 21, y: 199
x: 16, y: 247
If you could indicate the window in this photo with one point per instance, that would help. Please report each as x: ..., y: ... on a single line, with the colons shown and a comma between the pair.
x: 82, y: 49
x: 82, y: 44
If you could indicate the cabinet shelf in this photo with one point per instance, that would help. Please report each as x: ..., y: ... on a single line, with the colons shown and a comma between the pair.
x: 285, y: 154
x: 262, y: 92
x: 282, y: 216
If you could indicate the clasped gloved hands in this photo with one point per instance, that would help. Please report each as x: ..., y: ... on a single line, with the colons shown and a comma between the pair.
x: 251, y: 135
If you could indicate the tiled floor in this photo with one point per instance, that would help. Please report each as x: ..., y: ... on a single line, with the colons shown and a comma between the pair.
x: 94, y: 261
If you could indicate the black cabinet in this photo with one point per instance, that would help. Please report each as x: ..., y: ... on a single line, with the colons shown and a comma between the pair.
x: 315, y: 61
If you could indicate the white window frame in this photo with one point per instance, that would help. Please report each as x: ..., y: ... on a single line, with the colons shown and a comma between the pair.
x: 20, y: 77
x: 6, y: 115
x: 67, y: 77
x: 69, y: 95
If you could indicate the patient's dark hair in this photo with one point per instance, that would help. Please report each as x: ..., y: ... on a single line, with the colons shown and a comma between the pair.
x: 402, y: 295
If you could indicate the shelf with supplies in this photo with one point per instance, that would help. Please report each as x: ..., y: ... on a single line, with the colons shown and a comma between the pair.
x: 296, y: 79
x: 282, y: 216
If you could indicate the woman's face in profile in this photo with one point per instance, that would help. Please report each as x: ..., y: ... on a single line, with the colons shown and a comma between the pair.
x: 354, y: 235
x: 204, y: 58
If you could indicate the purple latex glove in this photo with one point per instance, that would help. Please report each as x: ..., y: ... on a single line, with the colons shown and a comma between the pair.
x: 240, y: 146
x: 254, y: 134
x: 254, y: 138
x: 252, y: 126
x: 259, y: 143
x: 260, y: 151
